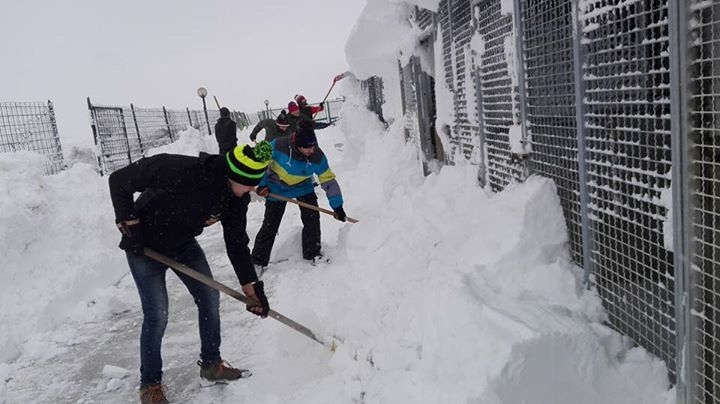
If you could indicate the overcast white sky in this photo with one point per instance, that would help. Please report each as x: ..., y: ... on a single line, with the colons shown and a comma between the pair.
x: 155, y: 53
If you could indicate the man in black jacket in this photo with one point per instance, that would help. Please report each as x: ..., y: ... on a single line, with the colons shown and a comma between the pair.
x: 225, y: 131
x: 274, y: 128
x: 180, y: 195
x: 302, y: 115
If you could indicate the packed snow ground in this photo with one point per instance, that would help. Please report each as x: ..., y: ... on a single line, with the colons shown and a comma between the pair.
x: 442, y: 293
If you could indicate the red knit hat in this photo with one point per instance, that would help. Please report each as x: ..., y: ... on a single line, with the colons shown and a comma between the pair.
x: 292, y: 106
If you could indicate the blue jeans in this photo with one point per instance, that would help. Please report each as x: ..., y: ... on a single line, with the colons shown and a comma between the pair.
x: 149, y: 277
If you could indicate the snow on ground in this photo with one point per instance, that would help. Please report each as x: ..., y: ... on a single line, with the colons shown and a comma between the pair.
x: 442, y: 293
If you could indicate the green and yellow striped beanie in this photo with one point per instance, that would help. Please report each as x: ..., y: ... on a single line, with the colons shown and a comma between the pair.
x: 246, y: 164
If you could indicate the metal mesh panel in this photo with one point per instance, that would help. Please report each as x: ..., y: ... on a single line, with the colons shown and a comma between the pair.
x: 465, y: 115
x: 548, y: 47
x: 242, y: 119
x: 445, y: 72
x: 198, y: 120
x: 374, y: 88
x: 409, y: 103
x: 150, y: 127
x: 332, y: 109
x: 705, y: 174
x: 624, y: 98
x: 627, y: 101
x: 31, y: 126
x: 108, y: 125
x: 423, y: 17
x: 178, y: 120
x: 330, y: 113
x: 124, y: 134
x: 497, y: 90
x: 213, y: 116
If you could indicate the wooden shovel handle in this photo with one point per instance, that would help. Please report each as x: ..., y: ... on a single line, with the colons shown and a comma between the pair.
x: 309, y: 206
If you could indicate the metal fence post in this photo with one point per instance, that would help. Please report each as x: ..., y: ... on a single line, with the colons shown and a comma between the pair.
x: 451, y: 29
x: 520, y: 69
x: 93, y: 126
x: 53, y: 123
x: 578, y: 60
x: 137, y: 130
x: 681, y: 202
x: 167, y: 122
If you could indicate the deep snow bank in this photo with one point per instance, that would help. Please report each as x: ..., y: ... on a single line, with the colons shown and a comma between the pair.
x: 54, y: 237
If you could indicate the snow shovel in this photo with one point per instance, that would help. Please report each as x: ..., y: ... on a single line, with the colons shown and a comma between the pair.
x: 307, y: 205
x: 332, y: 345
x: 335, y: 80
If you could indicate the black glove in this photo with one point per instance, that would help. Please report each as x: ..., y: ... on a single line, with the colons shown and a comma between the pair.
x: 259, y: 288
x: 321, y: 106
x: 132, y: 240
x: 340, y: 213
x: 262, y: 191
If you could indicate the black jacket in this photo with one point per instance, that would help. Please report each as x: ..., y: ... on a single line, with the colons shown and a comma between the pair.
x: 304, y: 120
x: 272, y: 131
x: 226, y: 134
x: 178, y: 195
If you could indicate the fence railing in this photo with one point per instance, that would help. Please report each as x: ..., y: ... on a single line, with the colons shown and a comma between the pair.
x: 603, y: 98
x: 332, y: 109
x: 123, y: 134
x: 31, y: 126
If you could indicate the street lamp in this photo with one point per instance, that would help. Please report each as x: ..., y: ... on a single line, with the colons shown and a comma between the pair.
x: 202, y: 93
x: 267, y: 109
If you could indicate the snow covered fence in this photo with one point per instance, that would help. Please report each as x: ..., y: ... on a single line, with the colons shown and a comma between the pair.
x: 332, y: 109
x: 31, y: 126
x: 123, y: 134
x: 589, y: 93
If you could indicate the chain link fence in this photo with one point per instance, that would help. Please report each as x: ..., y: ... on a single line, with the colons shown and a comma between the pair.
x: 31, y: 126
x: 602, y: 97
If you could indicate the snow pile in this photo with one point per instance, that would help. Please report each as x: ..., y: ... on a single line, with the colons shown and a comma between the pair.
x: 54, y: 238
x: 441, y: 293
x: 379, y: 34
x: 57, y: 239
x: 444, y: 293
x: 190, y: 142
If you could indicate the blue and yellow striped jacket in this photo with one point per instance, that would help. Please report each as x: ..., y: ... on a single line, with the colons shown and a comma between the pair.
x: 290, y: 173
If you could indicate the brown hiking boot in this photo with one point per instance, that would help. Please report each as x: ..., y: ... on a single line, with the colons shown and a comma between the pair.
x: 221, y: 371
x: 153, y: 394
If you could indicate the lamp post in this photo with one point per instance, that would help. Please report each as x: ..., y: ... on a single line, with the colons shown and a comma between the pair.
x: 267, y: 109
x: 202, y: 93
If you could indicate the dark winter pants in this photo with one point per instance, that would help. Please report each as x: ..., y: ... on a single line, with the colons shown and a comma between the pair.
x: 274, y: 211
x: 149, y: 277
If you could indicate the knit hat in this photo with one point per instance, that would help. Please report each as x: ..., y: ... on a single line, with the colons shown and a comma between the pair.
x: 292, y: 106
x: 224, y: 111
x: 246, y: 165
x: 282, y: 119
x: 305, y: 137
x: 301, y: 100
